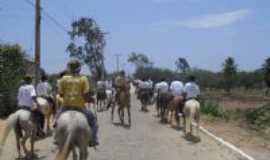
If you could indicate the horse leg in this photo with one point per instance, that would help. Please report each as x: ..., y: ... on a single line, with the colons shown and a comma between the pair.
x: 129, y: 116
x: 162, y: 110
x: 24, y: 138
x: 190, y: 124
x: 74, y: 154
x: 83, y: 153
x: 122, y: 111
x: 197, y: 117
x: 119, y: 114
x: 112, y: 112
x: 176, y: 116
x: 185, y: 124
x: 18, y: 145
x: 48, y: 128
x: 32, y: 143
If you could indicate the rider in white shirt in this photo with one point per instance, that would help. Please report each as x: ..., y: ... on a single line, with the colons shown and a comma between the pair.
x: 44, y: 90
x: 26, y: 99
x: 27, y: 94
x: 143, y: 84
x: 177, y: 88
x: 163, y: 87
x: 191, y: 89
x: 101, y: 85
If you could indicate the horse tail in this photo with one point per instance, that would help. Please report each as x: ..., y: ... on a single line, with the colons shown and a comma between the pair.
x: 10, y: 124
x: 63, y: 153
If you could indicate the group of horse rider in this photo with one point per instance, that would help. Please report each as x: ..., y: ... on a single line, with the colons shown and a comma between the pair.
x: 75, y: 90
x: 27, y: 95
x: 166, y: 91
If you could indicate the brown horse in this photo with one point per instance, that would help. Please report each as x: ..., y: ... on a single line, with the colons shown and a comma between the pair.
x: 175, y: 107
x: 123, y: 101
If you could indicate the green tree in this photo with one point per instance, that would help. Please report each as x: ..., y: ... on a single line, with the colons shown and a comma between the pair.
x: 229, y: 73
x: 12, y: 70
x: 87, y: 44
x: 266, y: 71
x: 182, y: 65
x: 139, y: 60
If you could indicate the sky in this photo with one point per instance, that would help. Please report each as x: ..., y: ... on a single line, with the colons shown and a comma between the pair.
x: 205, y: 32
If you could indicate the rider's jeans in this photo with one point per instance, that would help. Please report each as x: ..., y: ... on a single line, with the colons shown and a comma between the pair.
x: 92, y: 120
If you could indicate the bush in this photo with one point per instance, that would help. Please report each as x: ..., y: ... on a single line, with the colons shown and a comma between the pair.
x: 215, y: 110
x: 259, y: 117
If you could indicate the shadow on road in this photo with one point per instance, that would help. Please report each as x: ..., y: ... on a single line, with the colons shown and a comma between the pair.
x: 118, y: 124
x: 34, y: 158
x: 191, y: 138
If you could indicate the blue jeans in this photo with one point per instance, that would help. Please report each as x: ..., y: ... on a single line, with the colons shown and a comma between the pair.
x: 91, y: 118
x: 92, y: 121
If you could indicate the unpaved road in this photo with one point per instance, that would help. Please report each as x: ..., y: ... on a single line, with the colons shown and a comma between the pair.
x: 147, y: 139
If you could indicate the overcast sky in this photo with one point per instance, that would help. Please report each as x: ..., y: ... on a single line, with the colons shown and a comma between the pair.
x: 205, y: 32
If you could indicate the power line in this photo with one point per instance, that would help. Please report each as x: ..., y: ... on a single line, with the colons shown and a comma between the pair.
x: 58, y: 24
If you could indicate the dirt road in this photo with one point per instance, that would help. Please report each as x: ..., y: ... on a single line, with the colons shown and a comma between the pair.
x: 147, y: 139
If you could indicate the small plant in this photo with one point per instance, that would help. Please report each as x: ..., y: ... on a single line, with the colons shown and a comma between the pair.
x: 211, y: 108
x: 215, y: 110
x: 259, y: 117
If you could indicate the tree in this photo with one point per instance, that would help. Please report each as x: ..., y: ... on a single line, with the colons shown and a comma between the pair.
x: 182, y: 65
x: 87, y: 44
x: 12, y: 70
x: 266, y: 71
x: 229, y: 73
x: 139, y: 60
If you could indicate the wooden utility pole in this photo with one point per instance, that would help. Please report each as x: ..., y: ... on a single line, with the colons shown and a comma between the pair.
x: 37, y: 41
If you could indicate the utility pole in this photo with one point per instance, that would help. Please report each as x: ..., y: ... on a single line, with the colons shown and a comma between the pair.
x: 117, y: 62
x: 37, y: 41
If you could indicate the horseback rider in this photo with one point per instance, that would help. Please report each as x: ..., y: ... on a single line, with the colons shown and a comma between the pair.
x: 191, y: 89
x: 27, y: 100
x: 44, y: 90
x: 177, y: 88
x: 144, y: 93
x: 120, y: 84
x: 101, y: 89
x: 74, y: 88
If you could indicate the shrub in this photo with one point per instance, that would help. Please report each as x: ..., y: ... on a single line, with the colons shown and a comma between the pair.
x: 259, y: 117
x: 214, y: 109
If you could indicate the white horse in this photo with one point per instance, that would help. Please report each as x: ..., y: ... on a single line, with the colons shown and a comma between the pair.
x: 48, y: 110
x: 191, y: 112
x: 23, y: 118
x: 72, y: 131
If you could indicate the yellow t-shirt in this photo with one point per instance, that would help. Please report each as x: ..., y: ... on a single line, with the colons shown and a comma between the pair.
x: 72, y: 88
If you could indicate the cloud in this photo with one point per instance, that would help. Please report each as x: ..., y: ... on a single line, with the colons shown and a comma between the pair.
x: 215, y: 20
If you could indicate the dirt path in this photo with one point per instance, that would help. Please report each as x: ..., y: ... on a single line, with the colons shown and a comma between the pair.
x: 147, y: 139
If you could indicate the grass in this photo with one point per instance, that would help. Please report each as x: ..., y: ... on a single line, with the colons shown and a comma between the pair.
x: 257, y: 117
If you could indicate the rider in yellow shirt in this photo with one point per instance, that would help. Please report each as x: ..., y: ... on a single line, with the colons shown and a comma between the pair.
x: 75, y: 91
